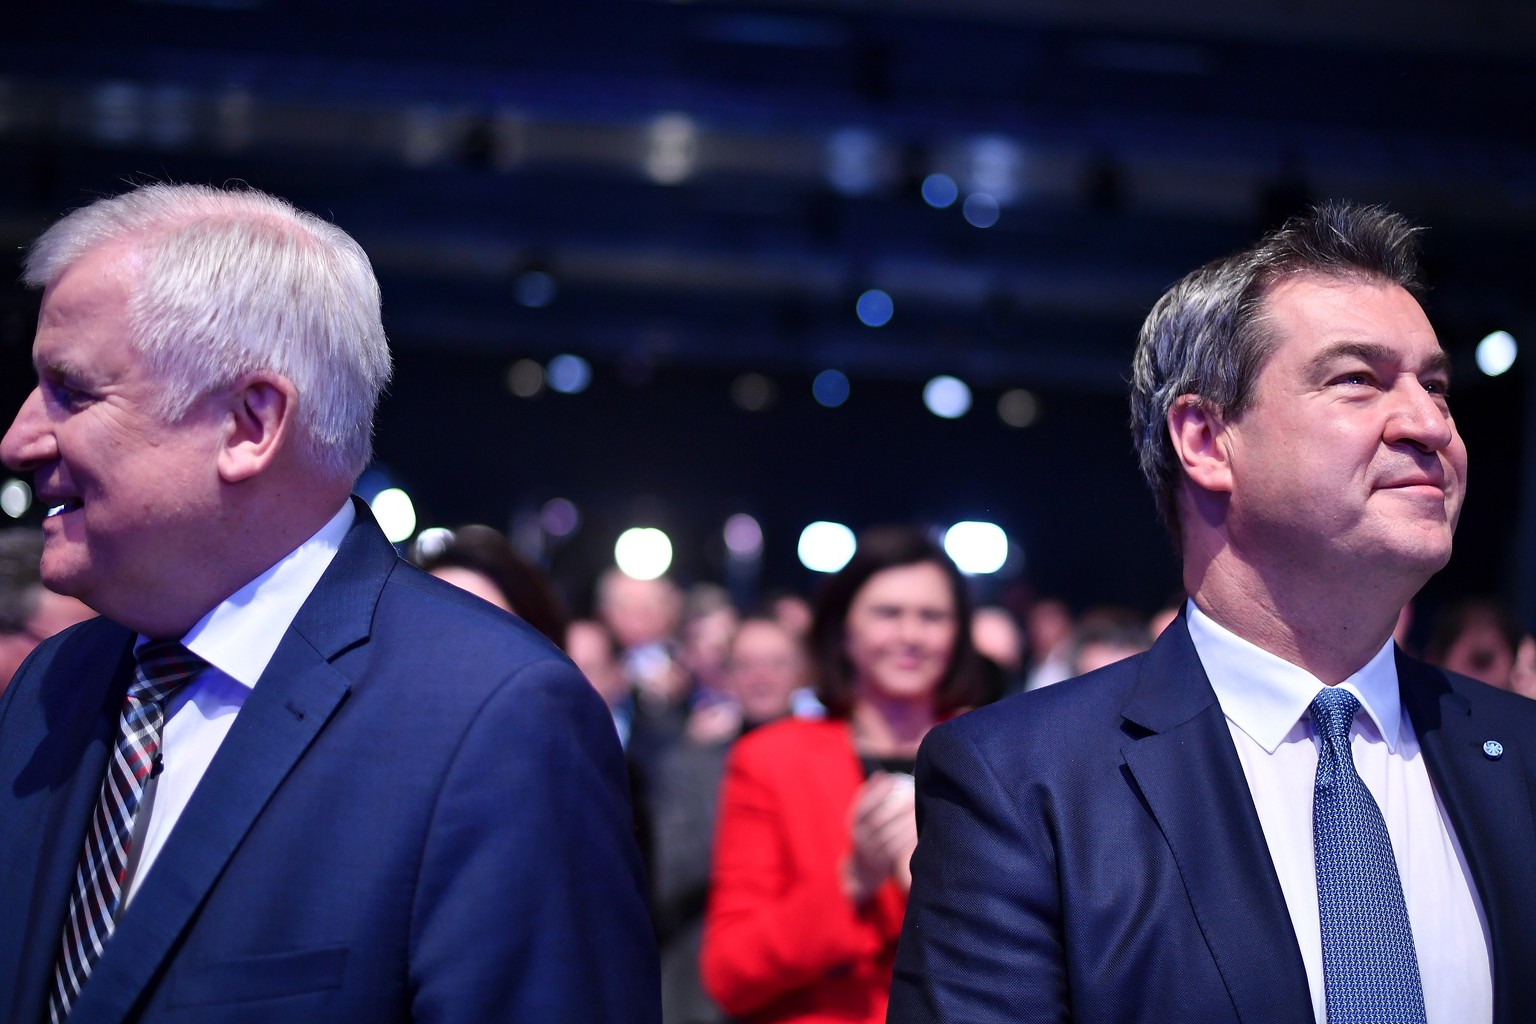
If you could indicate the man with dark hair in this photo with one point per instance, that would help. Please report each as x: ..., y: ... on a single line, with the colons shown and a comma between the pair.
x: 285, y: 776
x: 29, y: 612
x: 1272, y: 815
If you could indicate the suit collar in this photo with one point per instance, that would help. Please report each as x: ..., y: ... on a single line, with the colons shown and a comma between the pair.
x: 85, y: 676
x: 1179, y: 751
x: 1171, y: 686
x: 1488, y: 801
x: 297, y: 696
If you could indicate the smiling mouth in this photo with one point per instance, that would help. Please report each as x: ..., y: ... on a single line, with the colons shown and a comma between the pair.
x: 66, y: 505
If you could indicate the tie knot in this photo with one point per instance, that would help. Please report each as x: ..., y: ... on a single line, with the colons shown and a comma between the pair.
x: 164, y: 666
x: 1333, y: 711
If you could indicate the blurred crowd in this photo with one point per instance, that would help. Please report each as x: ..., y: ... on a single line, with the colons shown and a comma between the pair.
x: 771, y: 749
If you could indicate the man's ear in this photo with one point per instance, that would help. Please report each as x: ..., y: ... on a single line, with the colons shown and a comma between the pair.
x: 1199, y: 437
x: 260, y: 414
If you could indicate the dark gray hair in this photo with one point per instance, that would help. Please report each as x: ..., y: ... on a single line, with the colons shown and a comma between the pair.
x: 1207, y: 335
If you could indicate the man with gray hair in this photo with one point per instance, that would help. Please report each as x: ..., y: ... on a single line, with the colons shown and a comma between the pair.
x: 29, y: 612
x: 285, y: 776
x: 1273, y: 815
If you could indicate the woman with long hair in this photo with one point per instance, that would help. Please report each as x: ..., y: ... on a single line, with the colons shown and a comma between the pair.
x: 816, y: 822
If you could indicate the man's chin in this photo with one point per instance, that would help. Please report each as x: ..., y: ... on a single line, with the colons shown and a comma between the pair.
x: 62, y: 574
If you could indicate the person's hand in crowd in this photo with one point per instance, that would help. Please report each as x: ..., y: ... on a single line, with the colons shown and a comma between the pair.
x: 884, y: 824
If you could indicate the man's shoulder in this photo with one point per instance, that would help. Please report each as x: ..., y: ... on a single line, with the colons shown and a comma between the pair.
x: 422, y: 629
x: 94, y: 642
x: 1094, y: 700
x: 1422, y: 681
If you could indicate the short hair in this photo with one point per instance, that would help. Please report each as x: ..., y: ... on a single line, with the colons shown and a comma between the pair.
x: 232, y: 281
x: 21, y: 581
x: 526, y: 587
x: 1208, y: 334
x: 1457, y: 619
x: 964, y: 683
x: 1112, y: 626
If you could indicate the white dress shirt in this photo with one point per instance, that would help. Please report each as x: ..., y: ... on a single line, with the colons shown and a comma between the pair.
x: 1265, y: 700
x: 237, y: 639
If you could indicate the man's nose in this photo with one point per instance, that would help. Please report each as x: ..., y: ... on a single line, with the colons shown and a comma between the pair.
x: 28, y: 443
x: 1420, y: 418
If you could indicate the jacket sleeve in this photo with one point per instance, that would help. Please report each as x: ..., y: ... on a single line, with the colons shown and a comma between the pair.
x: 530, y: 902
x: 982, y: 940
x: 778, y: 920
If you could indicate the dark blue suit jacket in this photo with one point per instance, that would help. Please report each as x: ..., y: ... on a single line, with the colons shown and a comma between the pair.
x: 1090, y: 852
x: 419, y: 814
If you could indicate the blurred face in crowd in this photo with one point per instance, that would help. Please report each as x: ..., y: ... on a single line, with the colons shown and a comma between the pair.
x: 1048, y: 625
x: 706, y: 644
x: 53, y: 613
x: 1482, y: 652
x: 591, y: 647
x: 996, y: 636
x: 1096, y: 655
x: 765, y: 667
x: 475, y: 583
x: 900, y: 632
x: 640, y: 611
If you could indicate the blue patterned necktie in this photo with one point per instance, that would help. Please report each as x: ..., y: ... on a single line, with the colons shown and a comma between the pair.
x: 1370, y: 969
x: 164, y: 666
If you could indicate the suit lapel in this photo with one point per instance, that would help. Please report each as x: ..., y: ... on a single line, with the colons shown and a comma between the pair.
x: 58, y: 785
x: 1489, y: 803
x: 294, y: 700
x: 1188, y: 772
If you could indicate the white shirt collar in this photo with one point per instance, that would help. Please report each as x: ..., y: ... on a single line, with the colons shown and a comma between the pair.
x: 1265, y: 695
x: 240, y: 635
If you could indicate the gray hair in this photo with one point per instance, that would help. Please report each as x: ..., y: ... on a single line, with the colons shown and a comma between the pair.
x: 232, y: 281
x: 1207, y: 335
x: 21, y: 581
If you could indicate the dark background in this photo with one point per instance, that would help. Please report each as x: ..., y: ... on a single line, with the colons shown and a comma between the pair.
x: 465, y: 144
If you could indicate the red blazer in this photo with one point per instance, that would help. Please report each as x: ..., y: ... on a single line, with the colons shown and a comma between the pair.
x: 781, y: 941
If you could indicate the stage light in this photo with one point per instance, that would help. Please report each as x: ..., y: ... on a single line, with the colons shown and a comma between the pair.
x: 525, y: 378
x: 875, y: 308
x: 947, y: 397
x: 396, y: 514
x: 433, y: 541
x: 643, y: 552
x: 568, y: 374
x: 672, y: 145
x: 853, y: 161
x: 743, y: 536
x: 825, y: 546
x: 978, y: 548
x: 1496, y: 353
x: 831, y: 388
x: 1018, y: 408
x: 940, y: 191
x: 15, y: 498
x: 995, y: 167
x: 980, y: 210
x: 753, y: 392
x: 559, y: 517
x: 535, y: 288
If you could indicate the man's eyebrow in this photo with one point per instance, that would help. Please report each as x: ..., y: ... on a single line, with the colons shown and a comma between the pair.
x: 55, y: 369
x: 1373, y: 352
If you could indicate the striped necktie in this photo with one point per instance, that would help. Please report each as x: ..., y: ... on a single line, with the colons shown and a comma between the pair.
x: 164, y: 666
x: 1370, y: 969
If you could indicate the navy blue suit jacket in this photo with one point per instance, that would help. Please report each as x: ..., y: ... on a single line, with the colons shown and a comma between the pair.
x: 419, y: 814
x: 1090, y: 852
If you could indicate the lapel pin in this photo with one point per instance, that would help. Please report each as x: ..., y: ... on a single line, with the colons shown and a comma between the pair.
x: 1493, y: 750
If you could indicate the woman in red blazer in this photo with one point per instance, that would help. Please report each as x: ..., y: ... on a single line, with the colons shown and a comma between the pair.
x: 816, y: 822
